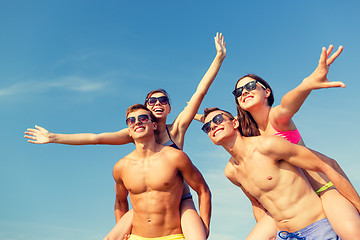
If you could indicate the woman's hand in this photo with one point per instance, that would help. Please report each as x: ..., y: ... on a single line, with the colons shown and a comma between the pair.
x: 318, y: 79
x: 220, y: 45
x: 39, y: 135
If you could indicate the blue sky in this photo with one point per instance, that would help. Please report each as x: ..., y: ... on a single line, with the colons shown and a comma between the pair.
x: 75, y: 66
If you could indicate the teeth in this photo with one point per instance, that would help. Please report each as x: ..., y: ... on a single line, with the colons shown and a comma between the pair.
x: 139, y: 129
x: 159, y: 110
x: 215, y: 133
x: 246, y: 99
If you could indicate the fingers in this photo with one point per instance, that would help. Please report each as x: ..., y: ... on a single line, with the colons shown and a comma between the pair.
x: 30, y: 131
x: 334, y: 85
x: 329, y: 50
x: 323, y: 57
x: 40, y: 128
x: 331, y: 59
x: 30, y: 137
x: 219, y: 38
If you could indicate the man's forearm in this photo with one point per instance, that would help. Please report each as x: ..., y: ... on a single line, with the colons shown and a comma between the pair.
x: 121, y: 209
x: 205, y: 207
x: 344, y: 186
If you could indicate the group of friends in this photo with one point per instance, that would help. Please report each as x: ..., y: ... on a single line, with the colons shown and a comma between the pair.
x: 295, y: 192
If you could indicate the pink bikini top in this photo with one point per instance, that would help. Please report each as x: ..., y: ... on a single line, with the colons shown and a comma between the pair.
x: 292, y: 136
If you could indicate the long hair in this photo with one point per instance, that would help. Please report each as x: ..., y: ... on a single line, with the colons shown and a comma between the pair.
x: 248, y: 127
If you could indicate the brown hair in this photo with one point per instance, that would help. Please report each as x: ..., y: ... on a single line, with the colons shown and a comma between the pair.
x: 207, y: 111
x: 248, y: 126
x: 138, y: 106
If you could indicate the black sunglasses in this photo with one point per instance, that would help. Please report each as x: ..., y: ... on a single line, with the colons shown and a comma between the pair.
x: 143, y: 118
x: 151, y: 101
x: 217, y: 119
x: 249, y: 87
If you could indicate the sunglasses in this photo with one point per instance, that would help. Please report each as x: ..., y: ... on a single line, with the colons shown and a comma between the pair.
x: 217, y: 119
x: 249, y: 87
x: 143, y: 118
x: 151, y: 101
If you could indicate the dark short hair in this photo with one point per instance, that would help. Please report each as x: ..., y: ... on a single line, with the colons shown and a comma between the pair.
x: 138, y: 106
x: 160, y: 90
x: 207, y: 111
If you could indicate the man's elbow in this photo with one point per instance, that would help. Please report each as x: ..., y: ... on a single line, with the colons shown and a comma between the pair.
x: 205, y: 192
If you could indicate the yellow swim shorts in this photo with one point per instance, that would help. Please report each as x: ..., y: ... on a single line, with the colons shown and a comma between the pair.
x: 170, y: 237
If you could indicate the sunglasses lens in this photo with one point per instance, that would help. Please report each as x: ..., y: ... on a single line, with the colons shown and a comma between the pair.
x: 250, y: 86
x: 163, y: 100
x: 130, y: 121
x: 218, y: 119
x: 152, y: 101
x: 237, y: 92
x: 206, y: 128
x: 143, y: 118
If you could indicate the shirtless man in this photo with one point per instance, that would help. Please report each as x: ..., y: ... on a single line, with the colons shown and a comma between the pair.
x: 266, y: 169
x: 153, y: 176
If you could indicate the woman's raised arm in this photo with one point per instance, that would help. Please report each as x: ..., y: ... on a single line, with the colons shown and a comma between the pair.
x: 293, y: 100
x: 40, y: 135
x: 186, y: 116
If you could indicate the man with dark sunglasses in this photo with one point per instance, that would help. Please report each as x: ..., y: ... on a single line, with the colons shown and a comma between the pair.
x: 153, y: 176
x: 267, y: 169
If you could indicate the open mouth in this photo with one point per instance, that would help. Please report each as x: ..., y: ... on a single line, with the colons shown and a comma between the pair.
x: 217, y: 131
x: 158, y: 110
x: 139, y: 129
x: 248, y: 98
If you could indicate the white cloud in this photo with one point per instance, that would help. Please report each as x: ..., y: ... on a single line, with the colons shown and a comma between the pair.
x: 68, y: 83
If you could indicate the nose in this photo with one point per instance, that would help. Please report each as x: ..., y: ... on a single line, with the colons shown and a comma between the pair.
x: 213, y: 126
x: 157, y: 103
x: 137, y: 122
x: 245, y: 92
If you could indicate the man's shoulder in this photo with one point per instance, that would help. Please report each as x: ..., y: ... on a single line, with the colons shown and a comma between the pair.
x: 229, y: 168
x: 268, y: 142
x: 172, y: 151
x: 264, y: 144
x: 123, y: 161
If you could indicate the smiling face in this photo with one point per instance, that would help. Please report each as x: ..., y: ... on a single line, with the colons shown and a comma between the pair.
x: 159, y: 109
x: 252, y: 93
x: 140, y: 126
x: 220, y: 130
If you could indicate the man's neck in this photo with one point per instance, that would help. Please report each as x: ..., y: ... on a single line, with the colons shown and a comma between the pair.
x: 146, y: 146
x: 235, y: 145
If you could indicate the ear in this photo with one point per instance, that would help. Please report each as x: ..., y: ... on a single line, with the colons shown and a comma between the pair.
x: 129, y: 132
x: 169, y: 110
x: 267, y: 92
x: 236, y: 123
x: 154, y: 126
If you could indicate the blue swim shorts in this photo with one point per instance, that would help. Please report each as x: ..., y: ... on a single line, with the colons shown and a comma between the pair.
x: 317, y: 231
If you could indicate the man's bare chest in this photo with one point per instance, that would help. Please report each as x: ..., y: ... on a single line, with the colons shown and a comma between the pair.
x: 150, y: 175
